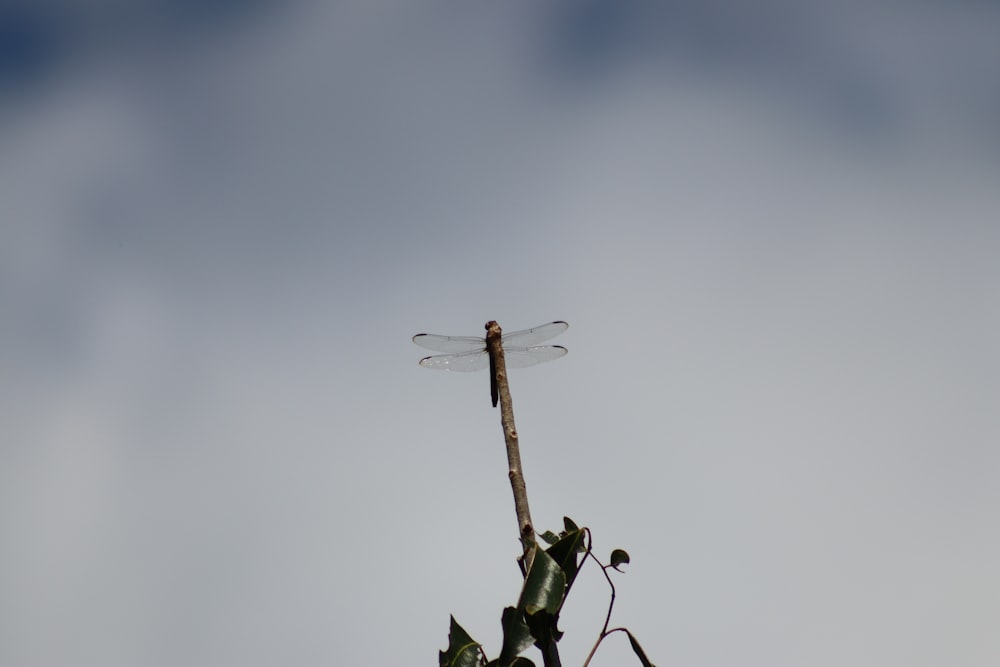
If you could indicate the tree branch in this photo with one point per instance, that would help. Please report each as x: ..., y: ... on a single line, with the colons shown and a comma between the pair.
x: 525, y: 527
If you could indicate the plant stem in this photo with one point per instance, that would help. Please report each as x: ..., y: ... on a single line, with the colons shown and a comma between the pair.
x: 525, y: 527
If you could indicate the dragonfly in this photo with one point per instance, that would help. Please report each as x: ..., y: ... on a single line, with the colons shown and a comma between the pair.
x: 469, y: 353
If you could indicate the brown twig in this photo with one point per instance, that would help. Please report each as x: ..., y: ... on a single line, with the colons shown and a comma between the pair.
x: 525, y: 527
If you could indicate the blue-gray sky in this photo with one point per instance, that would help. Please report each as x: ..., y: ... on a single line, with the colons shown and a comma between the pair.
x: 773, y: 229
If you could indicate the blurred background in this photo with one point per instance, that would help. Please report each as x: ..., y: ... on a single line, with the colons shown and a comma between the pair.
x: 773, y: 227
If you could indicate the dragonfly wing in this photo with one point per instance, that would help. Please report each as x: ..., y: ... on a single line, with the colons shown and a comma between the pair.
x: 450, y: 343
x: 521, y: 357
x: 535, y: 335
x: 474, y: 360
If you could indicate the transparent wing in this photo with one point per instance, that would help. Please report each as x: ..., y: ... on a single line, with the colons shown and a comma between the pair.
x: 450, y: 343
x: 475, y: 360
x: 535, y: 335
x: 521, y: 357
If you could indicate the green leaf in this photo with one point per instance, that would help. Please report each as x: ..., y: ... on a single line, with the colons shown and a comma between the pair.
x: 638, y: 650
x: 565, y: 553
x: 570, y: 526
x: 516, y: 635
x: 543, y: 628
x: 544, y: 586
x: 619, y: 557
x: 463, y: 650
x: 541, y: 598
x: 549, y: 537
x: 517, y: 662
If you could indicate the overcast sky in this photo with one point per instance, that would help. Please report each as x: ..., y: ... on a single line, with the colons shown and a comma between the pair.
x: 773, y: 227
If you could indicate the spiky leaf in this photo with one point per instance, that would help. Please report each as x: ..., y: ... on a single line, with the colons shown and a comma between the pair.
x: 463, y: 650
x: 516, y: 635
